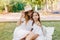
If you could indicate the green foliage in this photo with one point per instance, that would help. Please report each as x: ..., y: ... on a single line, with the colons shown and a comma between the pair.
x: 39, y: 3
x: 12, y: 5
x: 1, y: 9
x: 17, y: 7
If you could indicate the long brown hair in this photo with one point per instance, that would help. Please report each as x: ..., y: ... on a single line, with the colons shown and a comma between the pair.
x: 38, y: 18
x: 27, y: 17
x: 40, y: 23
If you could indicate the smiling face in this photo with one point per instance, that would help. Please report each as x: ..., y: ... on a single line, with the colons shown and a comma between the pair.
x: 30, y: 12
x: 35, y: 16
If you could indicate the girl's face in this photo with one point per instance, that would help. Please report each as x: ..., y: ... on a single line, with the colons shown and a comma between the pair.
x: 30, y: 13
x: 35, y: 16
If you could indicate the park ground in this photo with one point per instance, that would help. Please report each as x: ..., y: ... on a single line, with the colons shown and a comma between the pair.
x: 7, y: 28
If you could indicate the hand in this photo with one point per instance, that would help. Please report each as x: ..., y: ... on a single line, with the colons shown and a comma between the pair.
x: 32, y: 36
x: 24, y: 37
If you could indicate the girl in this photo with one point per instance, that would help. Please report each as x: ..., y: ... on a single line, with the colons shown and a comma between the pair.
x: 22, y: 19
x: 39, y: 32
x: 24, y: 27
x: 37, y: 27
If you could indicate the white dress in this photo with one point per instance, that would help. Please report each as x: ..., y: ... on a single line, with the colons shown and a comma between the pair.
x: 38, y: 30
x: 22, y: 30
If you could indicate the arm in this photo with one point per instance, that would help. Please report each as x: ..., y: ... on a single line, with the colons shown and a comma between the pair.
x: 20, y: 20
x: 32, y: 36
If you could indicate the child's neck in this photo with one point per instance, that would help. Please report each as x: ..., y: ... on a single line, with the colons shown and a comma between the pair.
x: 36, y: 21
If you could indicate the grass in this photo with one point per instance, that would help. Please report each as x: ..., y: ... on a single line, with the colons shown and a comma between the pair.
x: 7, y: 28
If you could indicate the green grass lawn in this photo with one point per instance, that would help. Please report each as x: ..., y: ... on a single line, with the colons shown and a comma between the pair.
x: 7, y: 28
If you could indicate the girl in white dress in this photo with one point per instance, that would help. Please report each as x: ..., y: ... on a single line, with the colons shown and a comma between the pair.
x: 39, y: 32
x: 37, y: 27
x: 24, y: 27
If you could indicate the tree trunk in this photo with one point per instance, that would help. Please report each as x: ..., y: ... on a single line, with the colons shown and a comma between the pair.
x: 36, y: 8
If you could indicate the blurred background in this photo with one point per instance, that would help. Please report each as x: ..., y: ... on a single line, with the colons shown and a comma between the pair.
x: 10, y: 13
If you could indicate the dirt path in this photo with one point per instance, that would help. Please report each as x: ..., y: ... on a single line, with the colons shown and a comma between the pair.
x: 16, y: 16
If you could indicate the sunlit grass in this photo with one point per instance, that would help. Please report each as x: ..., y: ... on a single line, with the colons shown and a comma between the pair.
x: 56, y: 35
x: 7, y: 28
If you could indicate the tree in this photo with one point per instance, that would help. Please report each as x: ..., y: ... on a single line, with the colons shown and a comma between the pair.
x: 35, y: 3
x: 16, y: 6
x: 11, y: 5
x: 3, y: 4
